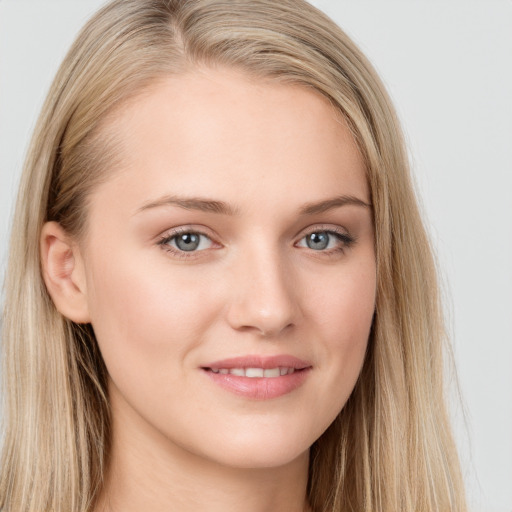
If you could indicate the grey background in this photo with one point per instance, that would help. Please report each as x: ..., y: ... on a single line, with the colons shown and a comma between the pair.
x: 447, y: 65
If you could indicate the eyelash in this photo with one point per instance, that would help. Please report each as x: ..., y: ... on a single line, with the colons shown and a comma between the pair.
x: 164, y: 242
x: 345, y: 240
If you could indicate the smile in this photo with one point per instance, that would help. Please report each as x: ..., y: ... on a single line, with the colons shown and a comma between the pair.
x: 259, y: 377
x: 254, y: 372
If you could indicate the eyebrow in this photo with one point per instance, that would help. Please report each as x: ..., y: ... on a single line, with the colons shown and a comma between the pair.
x: 222, y: 208
x: 335, y: 202
x: 191, y: 203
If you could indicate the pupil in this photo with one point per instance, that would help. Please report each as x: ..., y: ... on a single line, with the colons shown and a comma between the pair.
x: 187, y: 242
x: 318, y: 241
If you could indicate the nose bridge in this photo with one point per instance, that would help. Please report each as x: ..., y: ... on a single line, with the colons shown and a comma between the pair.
x: 264, y: 296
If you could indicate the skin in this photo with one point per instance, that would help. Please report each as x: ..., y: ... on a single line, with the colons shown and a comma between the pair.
x: 267, y: 151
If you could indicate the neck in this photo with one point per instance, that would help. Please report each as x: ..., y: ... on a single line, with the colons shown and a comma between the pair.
x: 147, y: 472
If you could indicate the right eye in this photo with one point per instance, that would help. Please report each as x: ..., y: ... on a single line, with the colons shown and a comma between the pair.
x: 186, y: 241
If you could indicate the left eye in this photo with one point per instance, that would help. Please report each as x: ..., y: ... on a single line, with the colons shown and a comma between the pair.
x: 322, y: 240
x: 188, y: 241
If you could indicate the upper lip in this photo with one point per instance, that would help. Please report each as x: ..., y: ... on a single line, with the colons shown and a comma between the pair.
x: 259, y: 361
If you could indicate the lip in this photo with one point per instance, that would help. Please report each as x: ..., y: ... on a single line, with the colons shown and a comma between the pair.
x: 256, y: 361
x: 259, y: 388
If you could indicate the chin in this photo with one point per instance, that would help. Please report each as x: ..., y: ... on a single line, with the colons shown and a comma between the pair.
x: 261, y: 452
x: 262, y: 459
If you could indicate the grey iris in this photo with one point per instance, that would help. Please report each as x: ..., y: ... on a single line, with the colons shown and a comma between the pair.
x: 187, y: 241
x: 318, y: 241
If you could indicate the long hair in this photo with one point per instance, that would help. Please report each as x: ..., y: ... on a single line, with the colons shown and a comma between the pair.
x: 390, y: 448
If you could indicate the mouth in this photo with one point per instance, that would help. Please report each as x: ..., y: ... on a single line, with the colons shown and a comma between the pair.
x: 259, y: 377
x: 255, y: 372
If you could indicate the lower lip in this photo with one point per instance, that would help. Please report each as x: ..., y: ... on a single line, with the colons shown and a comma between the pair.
x: 260, y: 388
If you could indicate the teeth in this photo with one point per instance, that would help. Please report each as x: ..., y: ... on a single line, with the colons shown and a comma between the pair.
x: 255, y: 372
x: 272, y: 372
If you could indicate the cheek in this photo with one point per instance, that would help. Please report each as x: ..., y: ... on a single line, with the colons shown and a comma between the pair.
x: 143, y: 314
x: 345, y: 315
x: 346, y: 306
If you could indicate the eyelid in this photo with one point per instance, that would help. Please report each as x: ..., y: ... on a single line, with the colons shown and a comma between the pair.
x: 192, y: 228
x: 173, y: 241
x: 330, y: 228
x: 345, y: 238
x: 168, y: 235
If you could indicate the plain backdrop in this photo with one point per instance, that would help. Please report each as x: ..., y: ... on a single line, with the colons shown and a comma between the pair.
x: 448, y: 67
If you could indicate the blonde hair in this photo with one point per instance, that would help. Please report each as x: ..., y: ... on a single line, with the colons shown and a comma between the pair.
x: 390, y: 449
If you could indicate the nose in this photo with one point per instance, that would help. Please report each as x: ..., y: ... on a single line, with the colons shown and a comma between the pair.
x: 264, y: 295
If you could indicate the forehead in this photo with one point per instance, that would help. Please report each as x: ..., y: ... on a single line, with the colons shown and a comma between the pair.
x: 220, y: 133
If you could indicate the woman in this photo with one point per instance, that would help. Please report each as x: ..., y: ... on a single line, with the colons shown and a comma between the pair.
x: 220, y: 292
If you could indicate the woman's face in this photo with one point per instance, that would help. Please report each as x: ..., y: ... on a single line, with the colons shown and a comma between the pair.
x: 230, y: 268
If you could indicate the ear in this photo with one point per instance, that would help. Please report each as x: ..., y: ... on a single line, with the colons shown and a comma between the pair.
x: 64, y: 273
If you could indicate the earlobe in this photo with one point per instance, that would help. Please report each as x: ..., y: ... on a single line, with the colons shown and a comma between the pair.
x: 64, y: 273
